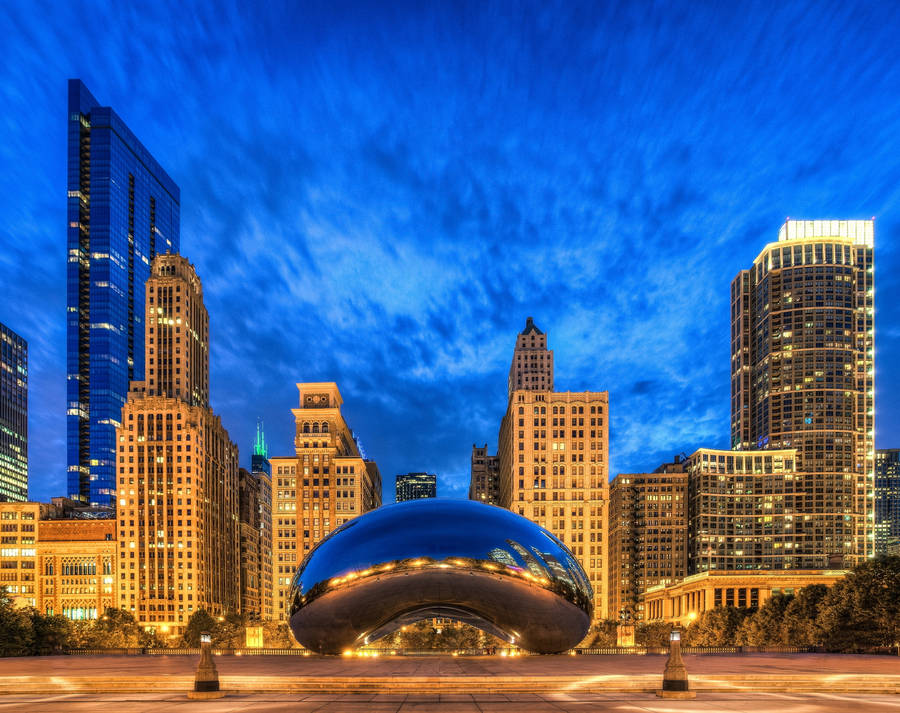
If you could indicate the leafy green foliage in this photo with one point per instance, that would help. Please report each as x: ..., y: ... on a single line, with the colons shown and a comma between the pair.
x: 863, y: 609
x: 16, y: 630
x: 654, y: 633
x: 200, y: 621
x: 765, y: 626
x: 604, y: 634
x: 716, y: 627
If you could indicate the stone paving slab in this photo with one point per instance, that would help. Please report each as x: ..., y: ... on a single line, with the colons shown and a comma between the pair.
x: 620, y: 703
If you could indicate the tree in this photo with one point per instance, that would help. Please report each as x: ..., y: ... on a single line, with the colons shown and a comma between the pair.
x: 604, y: 634
x: 200, y: 621
x: 51, y: 633
x: 231, y: 632
x: 863, y: 609
x: 799, y: 627
x: 16, y: 632
x: 716, y: 627
x: 764, y: 627
x: 652, y: 634
x: 277, y: 635
x: 116, y: 629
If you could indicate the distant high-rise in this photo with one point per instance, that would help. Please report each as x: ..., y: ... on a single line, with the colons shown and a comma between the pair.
x: 532, y: 363
x: 13, y: 416
x: 123, y: 209
x: 553, y: 449
x: 802, y: 371
x: 415, y: 486
x: 178, y: 489
x: 262, y: 471
x: 327, y: 482
x: 251, y: 567
x: 887, y: 502
x: 484, y: 477
x: 648, y: 535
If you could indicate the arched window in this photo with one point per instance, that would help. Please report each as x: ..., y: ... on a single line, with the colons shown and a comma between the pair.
x: 325, y: 427
x: 315, y: 428
x: 306, y: 427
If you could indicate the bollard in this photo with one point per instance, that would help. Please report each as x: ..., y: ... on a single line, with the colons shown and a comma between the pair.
x: 675, y: 678
x: 206, y: 680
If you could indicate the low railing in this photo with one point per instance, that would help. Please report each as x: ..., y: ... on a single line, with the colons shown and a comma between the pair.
x: 585, y: 651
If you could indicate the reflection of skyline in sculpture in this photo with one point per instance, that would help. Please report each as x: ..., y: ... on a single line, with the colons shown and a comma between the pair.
x: 476, y: 563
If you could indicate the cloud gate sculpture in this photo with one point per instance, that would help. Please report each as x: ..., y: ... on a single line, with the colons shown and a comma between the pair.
x: 479, y: 564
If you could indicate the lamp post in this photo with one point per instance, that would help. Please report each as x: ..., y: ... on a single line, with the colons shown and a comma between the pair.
x: 675, y: 678
x: 206, y: 680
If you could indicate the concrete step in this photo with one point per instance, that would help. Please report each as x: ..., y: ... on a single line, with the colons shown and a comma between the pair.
x: 797, y: 683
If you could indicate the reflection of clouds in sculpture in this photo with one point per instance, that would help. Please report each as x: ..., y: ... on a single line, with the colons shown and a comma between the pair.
x: 477, y: 563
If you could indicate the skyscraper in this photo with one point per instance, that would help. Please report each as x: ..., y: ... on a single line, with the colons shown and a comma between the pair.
x: 648, y: 535
x: 327, y: 482
x: 484, y: 477
x: 123, y: 209
x: 887, y: 502
x: 554, y: 458
x: 414, y: 486
x: 177, y: 511
x: 532, y: 364
x: 13, y: 416
x: 262, y: 471
x: 803, y: 376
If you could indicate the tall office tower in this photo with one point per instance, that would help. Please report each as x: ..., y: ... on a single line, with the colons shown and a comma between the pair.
x: 484, y: 478
x: 647, y: 535
x: 415, y: 486
x: 802, y: 372
x: 251, y: 585
x: 123, y: 209
x: 554, y: 460
x: 745, y: 512
x: 262, y: 471
x: 324, y: 484
x: 178, y: 488
x: 13, y: 416
x: 887, y: 502
x: 532, y: 364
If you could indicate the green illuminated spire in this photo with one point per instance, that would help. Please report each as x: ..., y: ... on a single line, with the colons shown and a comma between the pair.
x: 260, y: 448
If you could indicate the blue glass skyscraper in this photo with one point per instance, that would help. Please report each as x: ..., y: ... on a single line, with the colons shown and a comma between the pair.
x: 13, y: 416
x: 122, y: 209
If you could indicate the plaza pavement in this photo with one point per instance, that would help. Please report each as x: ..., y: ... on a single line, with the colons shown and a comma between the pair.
x: 445, y: 675
x: 476, y: 703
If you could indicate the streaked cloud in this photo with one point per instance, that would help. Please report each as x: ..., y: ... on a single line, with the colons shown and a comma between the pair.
x: 379, y: 196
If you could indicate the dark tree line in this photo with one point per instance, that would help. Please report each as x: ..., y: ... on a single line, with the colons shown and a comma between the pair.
x: 27, y: 632
x: 860, y: 612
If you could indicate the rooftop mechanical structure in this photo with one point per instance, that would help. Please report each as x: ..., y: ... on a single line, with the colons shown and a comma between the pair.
x: 479, y: 564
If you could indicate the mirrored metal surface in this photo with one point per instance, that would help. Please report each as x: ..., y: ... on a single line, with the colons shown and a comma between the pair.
x: 480, y: 564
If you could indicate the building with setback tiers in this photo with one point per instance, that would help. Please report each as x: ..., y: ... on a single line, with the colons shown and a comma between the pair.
x: 554, y: 458
x: 13, y: 416
x: 177, y: 509
x: 803, y: 377
x: 123, y: 209
x: 327, y: 482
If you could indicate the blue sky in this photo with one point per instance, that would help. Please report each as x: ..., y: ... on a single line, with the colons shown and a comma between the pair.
x: 379, y: 196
